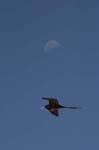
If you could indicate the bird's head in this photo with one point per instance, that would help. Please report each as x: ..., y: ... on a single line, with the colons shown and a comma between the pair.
x: 46, y: 107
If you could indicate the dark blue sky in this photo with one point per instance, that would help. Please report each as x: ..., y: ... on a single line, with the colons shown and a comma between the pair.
x: 69, y: 73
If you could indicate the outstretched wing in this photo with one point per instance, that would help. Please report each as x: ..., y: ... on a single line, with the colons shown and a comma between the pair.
x: 52, y: 101
x: 54, y: 112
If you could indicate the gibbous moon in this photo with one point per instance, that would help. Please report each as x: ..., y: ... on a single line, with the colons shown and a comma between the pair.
x: 50, y: 45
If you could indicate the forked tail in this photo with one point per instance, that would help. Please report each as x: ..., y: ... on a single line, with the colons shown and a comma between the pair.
x: 72, y: 107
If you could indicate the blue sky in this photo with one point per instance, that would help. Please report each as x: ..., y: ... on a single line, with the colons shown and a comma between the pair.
x: 69, y: 73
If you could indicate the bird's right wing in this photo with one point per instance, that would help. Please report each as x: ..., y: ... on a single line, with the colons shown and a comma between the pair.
x: 54, y: 112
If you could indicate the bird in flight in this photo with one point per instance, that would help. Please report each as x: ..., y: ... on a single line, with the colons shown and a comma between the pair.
x: 54, y: 105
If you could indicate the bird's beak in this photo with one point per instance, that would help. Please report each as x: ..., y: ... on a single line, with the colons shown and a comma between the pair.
x: 42, y: 107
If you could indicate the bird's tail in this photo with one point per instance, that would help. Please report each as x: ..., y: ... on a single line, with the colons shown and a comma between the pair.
x: 72, y: 107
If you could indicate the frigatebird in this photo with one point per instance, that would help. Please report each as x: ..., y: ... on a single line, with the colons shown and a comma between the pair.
x: 54, y: 105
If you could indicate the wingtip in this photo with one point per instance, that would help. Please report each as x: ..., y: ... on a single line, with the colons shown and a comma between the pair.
x: 46, y: 98
x: 43, y: 98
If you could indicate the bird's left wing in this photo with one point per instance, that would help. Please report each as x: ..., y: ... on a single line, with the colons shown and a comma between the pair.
x: 52, y: 101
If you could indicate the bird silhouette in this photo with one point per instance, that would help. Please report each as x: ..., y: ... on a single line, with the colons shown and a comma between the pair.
x: 54, y: 105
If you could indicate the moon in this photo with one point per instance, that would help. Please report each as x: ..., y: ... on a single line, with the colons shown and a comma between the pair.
x: 50, y: 45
